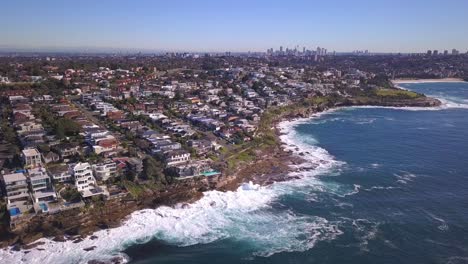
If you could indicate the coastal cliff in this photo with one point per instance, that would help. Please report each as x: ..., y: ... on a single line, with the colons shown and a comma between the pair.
x: 267, y: 163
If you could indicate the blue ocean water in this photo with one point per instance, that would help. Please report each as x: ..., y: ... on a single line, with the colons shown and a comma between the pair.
x: 400, y: 195
x: 380, y: 185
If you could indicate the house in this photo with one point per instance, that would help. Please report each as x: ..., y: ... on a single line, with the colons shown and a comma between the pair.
x: 83, y: 176
x: 130, y: 125
x: 21, y: 116
x: 28, y: 126
x: 115, y: 115
x: 16, y: 188
x: 135, y: 165
x: 106, y: 145
x: 194, y: 168
x: 17, y: 196
x: 16, y: 99
x: 72, y: 114
x: 31, y: 158
x: 175, y: 157
x: 41, y: 185
x: 151, y: 134
x: 67, y: 150
x: 50, y: 156
x: 200, y: 146
x: 165, y: 145
x: 85, y: 181
x: 105, y: 170
x: 32, y: 139
x: 60, y: 173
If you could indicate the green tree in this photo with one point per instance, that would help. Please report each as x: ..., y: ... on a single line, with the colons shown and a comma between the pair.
x: 66, y: 127
x: 71, y: 195
x: 152, y: 169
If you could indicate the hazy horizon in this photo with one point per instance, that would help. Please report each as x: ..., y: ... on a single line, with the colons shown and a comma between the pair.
x: 240, y: 26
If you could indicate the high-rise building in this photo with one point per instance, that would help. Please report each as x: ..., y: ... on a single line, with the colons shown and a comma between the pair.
x: 435, y: 52
x: 445, y: 52
x: 429, y: 52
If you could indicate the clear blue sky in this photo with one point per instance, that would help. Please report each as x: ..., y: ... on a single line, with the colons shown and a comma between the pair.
x: 236, y: 25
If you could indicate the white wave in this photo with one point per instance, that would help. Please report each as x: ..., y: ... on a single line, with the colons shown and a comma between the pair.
x: 365, y: 231
x: 381, y: 188
x: 356, y: 190
x: 404, y: 177
x: 305, y: 145
x: 443, y: 226
x: 364, y: 121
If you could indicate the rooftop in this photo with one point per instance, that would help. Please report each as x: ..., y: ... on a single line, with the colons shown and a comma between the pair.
x: 30, y: 152
x: 81, y: 166
x: 14, y: 177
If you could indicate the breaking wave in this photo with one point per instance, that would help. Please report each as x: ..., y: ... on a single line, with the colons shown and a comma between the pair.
x: 404, y: 177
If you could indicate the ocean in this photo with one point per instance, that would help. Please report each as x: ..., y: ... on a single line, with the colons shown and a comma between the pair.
x: 379, y: 185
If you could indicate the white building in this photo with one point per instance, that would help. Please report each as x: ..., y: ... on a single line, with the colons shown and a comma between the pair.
x: 4, y: 79
x: 60, y: 173
x: 16, y: 187
x: 83, y: 175
x: 105, y: 170
x: 31, y: 158
x: 176, y: 157
x: 41, y: 185
x: 85, y: 181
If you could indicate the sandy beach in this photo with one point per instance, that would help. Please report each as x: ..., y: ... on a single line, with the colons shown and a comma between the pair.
x: 398, y: 81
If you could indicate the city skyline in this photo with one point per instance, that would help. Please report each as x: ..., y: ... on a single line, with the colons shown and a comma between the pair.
x: 241, y: 26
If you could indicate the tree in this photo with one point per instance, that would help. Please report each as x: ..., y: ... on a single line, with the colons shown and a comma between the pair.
x: 130, y: 176
x: 66, y: 127
x: 16, y: 162
x: 71, y: 195
x: 153, y: 170
x: 43, y: 148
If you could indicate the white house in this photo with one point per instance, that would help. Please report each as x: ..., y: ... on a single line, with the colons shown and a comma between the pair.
x: 41, y: 185
x: 31, y: 158
x: 175, y: 157
x: 85, y: 181
x: 105, y: 170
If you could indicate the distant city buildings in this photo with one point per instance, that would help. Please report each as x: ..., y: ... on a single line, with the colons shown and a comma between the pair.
x: 445, y: 53
x: 316, y: 54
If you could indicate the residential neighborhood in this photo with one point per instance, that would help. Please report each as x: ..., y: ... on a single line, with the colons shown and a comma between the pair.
x: 71, y: 134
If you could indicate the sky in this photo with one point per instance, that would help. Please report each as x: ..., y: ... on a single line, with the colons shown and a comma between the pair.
x: 234, y: 25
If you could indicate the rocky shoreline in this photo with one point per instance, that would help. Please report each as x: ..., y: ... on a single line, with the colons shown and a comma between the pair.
x: 271, y: 164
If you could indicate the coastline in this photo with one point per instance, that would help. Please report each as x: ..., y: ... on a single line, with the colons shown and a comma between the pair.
x: 399, y: 81
x: 273, y: 164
